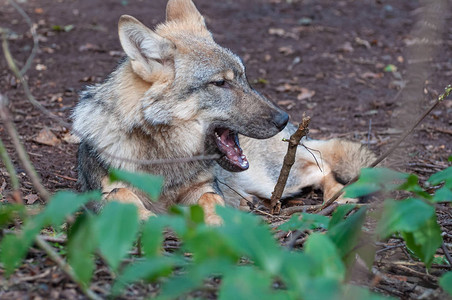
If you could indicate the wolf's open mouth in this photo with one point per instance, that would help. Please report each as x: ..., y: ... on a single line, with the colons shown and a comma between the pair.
x: 228, y: 144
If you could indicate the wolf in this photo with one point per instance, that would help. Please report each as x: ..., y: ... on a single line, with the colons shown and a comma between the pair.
x: 179, y: 94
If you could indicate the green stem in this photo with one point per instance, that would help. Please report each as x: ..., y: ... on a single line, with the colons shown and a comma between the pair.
x: 9, y: 166
x: 65, y: 267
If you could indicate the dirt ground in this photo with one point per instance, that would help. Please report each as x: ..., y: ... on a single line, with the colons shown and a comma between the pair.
x: 363, y: 70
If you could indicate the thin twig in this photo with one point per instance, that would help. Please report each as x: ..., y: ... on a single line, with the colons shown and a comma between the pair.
x: 16, y: 194
x: 33, y: 34
x: 447, y: 92
x: 13, y: 67
x: 23, y: 156
x: 299, y: 208
x: 250, y: 203
x: 65, y: 267
x: 328, y: 210
x: 294, y: 238
x: 289, y: 160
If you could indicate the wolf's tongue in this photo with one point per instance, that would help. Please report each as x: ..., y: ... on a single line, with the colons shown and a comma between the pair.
x: 228, y: 143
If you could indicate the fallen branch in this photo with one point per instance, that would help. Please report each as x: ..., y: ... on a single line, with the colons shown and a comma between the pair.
x: 289, y: 160
x: 447, y: 92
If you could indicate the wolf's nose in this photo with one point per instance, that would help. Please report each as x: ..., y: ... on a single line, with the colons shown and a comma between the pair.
x: 280, y: 120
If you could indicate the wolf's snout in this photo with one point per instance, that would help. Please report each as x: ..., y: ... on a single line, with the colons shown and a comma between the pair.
x: 280, y: 120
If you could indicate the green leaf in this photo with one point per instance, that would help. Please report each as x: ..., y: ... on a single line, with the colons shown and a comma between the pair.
x: 149, y: 269
x: 425, y: 240
x: 305, y: 221
x: 116, y: 229
x: 152, y: 238
x: 346, y: 234
x: 14, y: 247
x: 65, y: 28
x: 446, y: 282
x: 444, y: 175
x: 390, y: 68
x: 319, y: 288
x: 206, y: 243
x: 150, y: 184
x: 412, y: 185
x: 373, y: 180
x: 193, y: 277
x: 256, y: 242
x: 82, y: 242
x: 12, y: 251
x: 197, y: 214
x: 296, y: 267
x: 64, y: 204
x: 339, y: 214
x: 10, y: 211
x: 406, y: 215
x: 323, y: 252
x: 248, y: 283
x: 351, y: 292
x: 443, y: 194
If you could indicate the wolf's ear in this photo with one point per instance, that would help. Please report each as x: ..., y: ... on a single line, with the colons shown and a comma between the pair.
x: 151, y: 55
x: 183, y: 10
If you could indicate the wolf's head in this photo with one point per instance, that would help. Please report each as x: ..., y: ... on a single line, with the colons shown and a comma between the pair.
x: 194, y: 79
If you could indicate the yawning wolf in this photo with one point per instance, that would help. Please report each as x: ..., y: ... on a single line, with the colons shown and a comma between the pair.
x: 179, y: 94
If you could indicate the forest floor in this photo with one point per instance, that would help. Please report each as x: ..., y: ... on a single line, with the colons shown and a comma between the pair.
x: 360, y: 69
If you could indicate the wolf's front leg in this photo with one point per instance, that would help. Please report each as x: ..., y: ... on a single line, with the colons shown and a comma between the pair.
x: 125, y: 195
x: 208, y: 201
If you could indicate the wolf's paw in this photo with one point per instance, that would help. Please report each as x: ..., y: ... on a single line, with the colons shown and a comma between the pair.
x: 213, y: 220
x: 343, y: 200
x: 125, y: 195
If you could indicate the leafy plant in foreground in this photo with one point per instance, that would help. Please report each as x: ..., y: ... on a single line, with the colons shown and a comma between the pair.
x: 243, y: 252
x: 413, y: 219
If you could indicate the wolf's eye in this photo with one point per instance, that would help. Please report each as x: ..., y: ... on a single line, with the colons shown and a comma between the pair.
x: 218, y: 83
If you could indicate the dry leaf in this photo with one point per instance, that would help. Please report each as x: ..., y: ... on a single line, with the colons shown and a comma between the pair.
x: 305, y: 94
x: 2, y: 187
x: 31, y: 198
x: 286, y: 50
x: 40, y: 67
x: 371, y: 75
x: 362, y: 42
x: 286, y: 88
x: 89, y: 47
x: 287, y: 103
x: 346, y: 47
x: 276, y: 31
x: 116, y: 53
x: 46, y: 137
x: 70, y: 138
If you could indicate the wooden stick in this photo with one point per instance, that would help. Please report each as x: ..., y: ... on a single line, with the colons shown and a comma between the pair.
x: 289, y: 160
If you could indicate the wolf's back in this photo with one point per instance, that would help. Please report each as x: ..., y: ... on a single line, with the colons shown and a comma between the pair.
x: 345, y: 158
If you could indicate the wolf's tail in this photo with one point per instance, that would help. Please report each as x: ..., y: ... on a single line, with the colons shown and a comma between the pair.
x: 345, y: 158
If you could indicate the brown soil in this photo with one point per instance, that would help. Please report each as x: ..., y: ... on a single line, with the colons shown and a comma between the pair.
x: 325, y: 58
